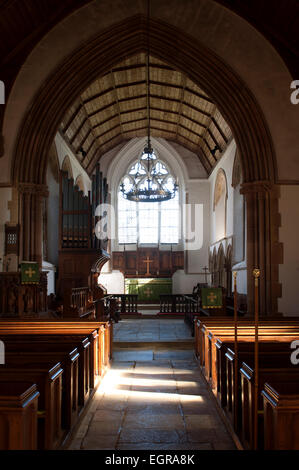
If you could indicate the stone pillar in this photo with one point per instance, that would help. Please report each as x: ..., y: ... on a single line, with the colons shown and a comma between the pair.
x: 263, y: 248
x: 31, y: 220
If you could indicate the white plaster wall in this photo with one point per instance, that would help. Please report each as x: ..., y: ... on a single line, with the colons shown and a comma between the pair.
x: 199, y: 193
x: 226, y: 163
x: 183, y: 283
x: 64, y: 150
x: 114, y: 282
x: 288, y: 235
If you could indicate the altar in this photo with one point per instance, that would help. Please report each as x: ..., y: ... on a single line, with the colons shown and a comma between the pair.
x: 148, y: 289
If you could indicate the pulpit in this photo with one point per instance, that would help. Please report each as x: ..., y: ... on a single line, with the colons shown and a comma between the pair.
x: 22, y: 300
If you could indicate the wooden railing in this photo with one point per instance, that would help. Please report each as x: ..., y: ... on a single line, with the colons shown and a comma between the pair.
x: 106, y: 308
x: 179, y: 303
x: 127, y: 303
x: 78, y: 303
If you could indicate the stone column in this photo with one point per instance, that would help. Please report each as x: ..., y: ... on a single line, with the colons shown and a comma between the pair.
x: 263, y: 248
x: 31, y: 220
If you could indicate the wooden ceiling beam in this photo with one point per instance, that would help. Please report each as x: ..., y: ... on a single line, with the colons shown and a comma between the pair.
x: 214, y: 139
x: 220, y: 130
x: 161, y: 98
x: 92, y: 163
x: 140, y: 66
x: 75, y: 135
x: 143, y: 82
x: 207, y: 144
x: 72, y: 117
x: 82, y: 142
x: 153, y: 108
x: 205, y: 160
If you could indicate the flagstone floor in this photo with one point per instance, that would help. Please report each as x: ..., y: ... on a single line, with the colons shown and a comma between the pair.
x: 143, y: 330
x: 152, y: 399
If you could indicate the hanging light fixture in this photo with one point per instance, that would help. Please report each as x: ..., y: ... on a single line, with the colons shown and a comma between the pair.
x: 149, y: 183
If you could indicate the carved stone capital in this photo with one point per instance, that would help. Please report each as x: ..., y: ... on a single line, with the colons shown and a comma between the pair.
x: 40, y: 190
x: 256, y: 187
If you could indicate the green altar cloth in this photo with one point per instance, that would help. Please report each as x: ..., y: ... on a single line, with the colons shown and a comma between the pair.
x: 148, y: 290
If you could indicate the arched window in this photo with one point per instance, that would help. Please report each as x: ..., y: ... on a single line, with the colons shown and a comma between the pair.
x: 148, y: 222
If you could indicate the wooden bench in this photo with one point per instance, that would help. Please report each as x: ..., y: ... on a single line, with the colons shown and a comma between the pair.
x: 279, y: 375
x: 212, y: 338
x: 24, y: 354
x: 215, y: 349
x: 56, y: 341
x: 224, y: 324
x: 99, y: 330
x: 281, y: 415
x: 18, y: 416
x: 49, y: 383
x: 270, y: 354
x: 53, y: 343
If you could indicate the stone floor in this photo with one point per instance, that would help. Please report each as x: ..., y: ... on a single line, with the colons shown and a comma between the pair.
x: 152, y: 399
x: 143, y: 330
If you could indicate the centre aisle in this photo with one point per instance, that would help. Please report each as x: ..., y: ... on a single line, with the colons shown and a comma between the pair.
x: 153, y: 397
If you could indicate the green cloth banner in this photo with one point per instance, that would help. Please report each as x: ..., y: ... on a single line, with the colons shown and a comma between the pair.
x: 29, y: 273
x: 211, y: 297
x: 148, y: 290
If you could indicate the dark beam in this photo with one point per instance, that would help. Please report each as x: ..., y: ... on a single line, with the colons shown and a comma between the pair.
x: 80, y: 145
x: 70, y: 120
x: 78, y: 130
x: 143, y: 82
x: 220, y: 130
x: 137, y: 97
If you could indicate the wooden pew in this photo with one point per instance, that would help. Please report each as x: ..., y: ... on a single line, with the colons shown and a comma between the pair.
x: 92, y: 361
x: 270, y: 354
x: 49, y: 382
x: 225, y: 358
x: 213, y: 336
x: 18, y: 416
x: 281, y: 415
x: 53, y: 343
x: 279, y: 375
x: 24, y: 353
x: 68, y: 328
x: 223, y: 323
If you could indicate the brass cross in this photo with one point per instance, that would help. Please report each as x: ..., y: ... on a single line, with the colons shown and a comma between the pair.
x: 148, y: 261
x: 212, y: 297
x: 148, y: 292
x: 30, y: 272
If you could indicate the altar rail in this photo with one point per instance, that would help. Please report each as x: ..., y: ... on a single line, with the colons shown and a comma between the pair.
x: 127, y: 303
x: 179, y: 303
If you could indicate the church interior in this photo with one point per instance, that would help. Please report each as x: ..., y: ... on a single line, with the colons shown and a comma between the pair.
x: 149, y: 173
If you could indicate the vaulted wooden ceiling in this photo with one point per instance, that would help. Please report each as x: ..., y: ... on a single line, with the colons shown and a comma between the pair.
x: 114, y: 109
x: 24, y: 23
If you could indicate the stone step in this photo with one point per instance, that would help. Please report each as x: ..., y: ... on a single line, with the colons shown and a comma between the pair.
x: 154, y: 344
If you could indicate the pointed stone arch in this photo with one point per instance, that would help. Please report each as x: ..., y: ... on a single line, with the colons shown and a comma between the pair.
x: 67, y: 167
x: 80, y: 183
x: 231, y: 95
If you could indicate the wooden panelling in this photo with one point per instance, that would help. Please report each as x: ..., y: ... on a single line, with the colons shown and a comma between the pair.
x: 148, y: 262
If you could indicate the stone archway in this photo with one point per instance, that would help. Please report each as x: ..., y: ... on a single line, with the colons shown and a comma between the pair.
x: 232, y: 96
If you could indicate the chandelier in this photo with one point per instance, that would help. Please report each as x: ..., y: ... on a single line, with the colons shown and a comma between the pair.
x: 149, y: 183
